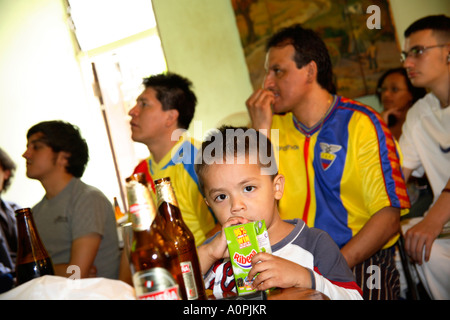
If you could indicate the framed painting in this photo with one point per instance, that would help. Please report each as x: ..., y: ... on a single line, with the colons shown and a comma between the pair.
x: 362, y: 45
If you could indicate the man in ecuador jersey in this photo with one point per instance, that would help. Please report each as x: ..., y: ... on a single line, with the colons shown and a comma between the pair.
x: 159, y: 119
x: 348, y: 174
x: 339, y: 159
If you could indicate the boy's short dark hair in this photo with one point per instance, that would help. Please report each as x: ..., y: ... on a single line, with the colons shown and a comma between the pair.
x: 440, y: 24
x: 174, y: 92
x: 63, y: 136
x: 227, y: 143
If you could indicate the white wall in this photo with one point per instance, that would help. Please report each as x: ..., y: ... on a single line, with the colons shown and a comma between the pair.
x: 40, y: 79
x: 406, y: 12
x: 201, y: 41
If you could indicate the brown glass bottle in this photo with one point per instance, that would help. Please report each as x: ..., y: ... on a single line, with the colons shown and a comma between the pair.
x: 32, y: 260
x: 154, y: 260
x: 183, y: 238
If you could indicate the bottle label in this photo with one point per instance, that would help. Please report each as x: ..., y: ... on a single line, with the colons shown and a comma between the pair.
x: 142, y: 207
x: 155, y: 284
x: 141, y: 216
x: 189, y: 280
x: 166, y: 193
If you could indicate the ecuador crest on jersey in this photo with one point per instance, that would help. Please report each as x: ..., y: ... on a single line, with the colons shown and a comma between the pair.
x: 328, y: 154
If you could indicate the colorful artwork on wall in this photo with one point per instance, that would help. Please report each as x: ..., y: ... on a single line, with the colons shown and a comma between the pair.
x: 362, y: 43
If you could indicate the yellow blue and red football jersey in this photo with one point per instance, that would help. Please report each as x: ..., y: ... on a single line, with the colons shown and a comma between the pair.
x: 340, y: 172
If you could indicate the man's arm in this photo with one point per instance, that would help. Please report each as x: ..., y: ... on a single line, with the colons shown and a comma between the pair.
x: 422, y: 235
x: 381, y: 227
x: 406, y: 173
x: 83, y: 253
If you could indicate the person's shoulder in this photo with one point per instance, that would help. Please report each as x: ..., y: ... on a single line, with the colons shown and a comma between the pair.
x: 356, y: 106
x: 320, y: 235
x: 188, y: 140
x: 39, y: 204
x: 87, y: 191
x: 142, y: 166
x: 316, y: 235
x: 10, y: 205
x: 423, y: 106
x: 365, y: 119
x: 86, y: 199
x: 309, y: 238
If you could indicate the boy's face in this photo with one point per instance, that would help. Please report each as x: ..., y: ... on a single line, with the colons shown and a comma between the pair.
x: 241, y: 190
x: 42, y: 161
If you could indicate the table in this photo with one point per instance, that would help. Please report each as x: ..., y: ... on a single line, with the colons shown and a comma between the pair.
x: 281, y: 294
x: 296, y: 294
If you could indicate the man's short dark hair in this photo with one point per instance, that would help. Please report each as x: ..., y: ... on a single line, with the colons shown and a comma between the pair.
x: 440, y: 24
x: 63, y: 136
x: 174, y: 92
x: 308, y: 47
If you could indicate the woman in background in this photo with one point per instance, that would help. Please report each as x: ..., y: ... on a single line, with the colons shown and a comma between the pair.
x: 396, y: 95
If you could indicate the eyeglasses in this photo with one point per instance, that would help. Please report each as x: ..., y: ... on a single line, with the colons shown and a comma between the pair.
x: 417, y: 51
x: 393, y: 89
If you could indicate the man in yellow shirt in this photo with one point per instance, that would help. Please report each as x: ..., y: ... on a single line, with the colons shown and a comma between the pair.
x: 160, y: 118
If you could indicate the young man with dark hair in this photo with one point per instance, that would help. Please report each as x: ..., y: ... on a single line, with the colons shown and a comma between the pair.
x: 162, y: 113
x: 425, y: 144
x: 338, y: 157
x: 75, y: 221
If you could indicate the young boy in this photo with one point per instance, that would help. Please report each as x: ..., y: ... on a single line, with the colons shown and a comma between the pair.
x: 240, y: 183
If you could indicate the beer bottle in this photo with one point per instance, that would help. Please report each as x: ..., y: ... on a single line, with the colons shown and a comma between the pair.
x: 154, y: 261
x: 32, y: 260
x: 183, y: 238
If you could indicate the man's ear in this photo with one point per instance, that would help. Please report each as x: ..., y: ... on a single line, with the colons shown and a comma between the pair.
x: 311, y: 71
x: 62, y: 158
x: 278, y: 186
x: 172, y: 117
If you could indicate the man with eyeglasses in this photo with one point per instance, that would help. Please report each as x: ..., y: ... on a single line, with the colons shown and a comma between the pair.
x: 425, y: 144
